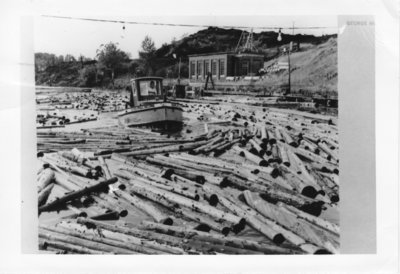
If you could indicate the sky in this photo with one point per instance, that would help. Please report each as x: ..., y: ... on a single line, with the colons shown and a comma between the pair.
x: 76, y: 37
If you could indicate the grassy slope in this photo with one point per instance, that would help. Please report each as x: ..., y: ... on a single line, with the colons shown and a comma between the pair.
x: 314, y: 68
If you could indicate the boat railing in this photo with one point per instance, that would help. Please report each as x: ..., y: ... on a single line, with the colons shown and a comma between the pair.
x: 151, y: 97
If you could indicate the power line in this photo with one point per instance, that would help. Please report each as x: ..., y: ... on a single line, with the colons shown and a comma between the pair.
x: 182, y: 25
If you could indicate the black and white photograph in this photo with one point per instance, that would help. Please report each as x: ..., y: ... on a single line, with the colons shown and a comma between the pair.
x: 220, y: 129
x: 187, y: 135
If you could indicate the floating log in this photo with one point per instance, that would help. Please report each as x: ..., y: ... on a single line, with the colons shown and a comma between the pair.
x: 98, y: 239
x: 72, y: 248
x: 111, y: 205
x: 128, y: 239
x: 328, y: 151
x: 275, y: 154
x: 278, y: 135
x: 104, y: 167
x: 156, y: 183
x: 288, y: 139
x: 45, y: 178
x: 250, y: 156
x: 166, y: 149
x: 257, y: 148
x: 284, y: 155
x: 312, y: 219
x: 304, y: 172
x: 109, y: 215
x: 45, y: 234
x: 225, y: 240
x: 207, y: 209
x: 264, y: 134
x: 254, y: 221
x: 131, y: 231
x: 44, y: 194
x: 147, y: 207
x: 216, y: 140
x: 203, y: 219
x: 77, y: 194
x: 288, y: 221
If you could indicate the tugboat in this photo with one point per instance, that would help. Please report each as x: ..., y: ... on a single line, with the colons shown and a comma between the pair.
x: 148, y: 105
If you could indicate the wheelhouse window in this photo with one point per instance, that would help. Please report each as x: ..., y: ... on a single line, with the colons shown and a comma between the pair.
x: 150, y: 89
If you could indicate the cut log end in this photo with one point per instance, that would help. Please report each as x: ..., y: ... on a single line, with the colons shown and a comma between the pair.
x: 203, y: 227
x: 123, y: 213
x: 168, y: 221
x: 213, y: 200
x: 325, y: 170
x: 322, y: 252
x: 314, y: 209
x: 294, y: 144
x: 167, y: 174
x: 225, y: 231
x: 200, y: 179
x: 272, y: 141
x: 278, y: 239
x: 82, y: 214
x: 122, y: 187
x: 254, y: 151
x: 275, y: 173
x: 309, y: 191
x: 263, y: 163
x: 263, y: 146
x: 224, y: 183
x: 334, y: 198
x: 239, y: 226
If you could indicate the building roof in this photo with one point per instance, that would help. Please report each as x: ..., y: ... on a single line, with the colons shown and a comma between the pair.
x: 227, y: 53
x: 211, y: 53
x: 245, y: 54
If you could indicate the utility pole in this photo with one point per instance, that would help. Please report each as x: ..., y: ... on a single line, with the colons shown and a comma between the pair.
x: 289, y: 50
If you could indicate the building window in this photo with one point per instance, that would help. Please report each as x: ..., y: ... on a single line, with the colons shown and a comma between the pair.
x: 214, y: 67
x: 199, y: 69
x: 192, y: 69
x: 222, y: 67
x: 206, y: 67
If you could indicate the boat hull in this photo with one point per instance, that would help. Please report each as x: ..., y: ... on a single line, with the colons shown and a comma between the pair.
x: 158, y: 114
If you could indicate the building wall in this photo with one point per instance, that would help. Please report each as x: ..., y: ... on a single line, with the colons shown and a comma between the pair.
x: 223, y: 65
x: 248, y: 64
x: 200, y: 65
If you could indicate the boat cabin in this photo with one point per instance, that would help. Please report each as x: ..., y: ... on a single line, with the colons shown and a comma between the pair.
x: 146, y: 90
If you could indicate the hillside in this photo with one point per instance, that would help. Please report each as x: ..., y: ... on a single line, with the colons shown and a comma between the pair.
x: 212, y: 39
x: 312, y: 69
x: 215, y: 39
